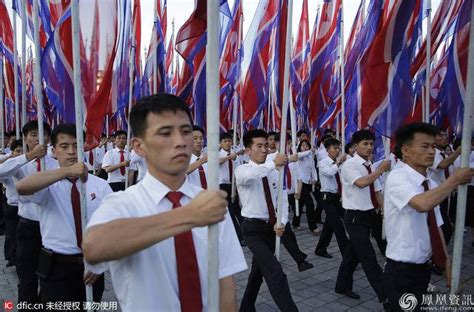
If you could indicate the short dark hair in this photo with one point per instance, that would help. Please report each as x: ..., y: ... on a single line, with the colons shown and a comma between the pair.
x: 301, y: 143
x: 272, y: 133
x: 65, y: 128
x: 12, y: 133
x: 253, y: 134
x: 6, y: 134
x: 329, y: 130
x: 406, y: 134
x: 301, y: 132
x: 120, y: 132
x: 330, y: 142
x: 325, y: 137
x: 197, y: 128
x: 224, y: 136
x: 32, y: 125
x: 347, y: 147
x: 156, y: 104
x: 361, y: 135
x: 15, y: 144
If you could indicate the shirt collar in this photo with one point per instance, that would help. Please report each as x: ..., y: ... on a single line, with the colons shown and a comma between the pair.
x: 157, y: 190
x: 361, y: 160
x: 414, y: 175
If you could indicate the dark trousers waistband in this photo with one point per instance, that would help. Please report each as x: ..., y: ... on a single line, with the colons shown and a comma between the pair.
x: 60, y: 258
x: 255, y: 220
x: 361, y: 212
x: 408, y: 265
x: 29, y: 221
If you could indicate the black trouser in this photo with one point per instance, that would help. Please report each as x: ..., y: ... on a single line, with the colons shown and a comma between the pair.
x: 260, y: 239
x: 65, y: 282
x: 377, y: 233
x: 27, y: 254
x: 317, y: 196
x: 289, y: 241
x: 117, y: 186
x: 447, y: 226
x: 234, y: 209
x: 359, y: 224
x: 11, y: 222
x: 333, y: 224
x: 292, y: 204
x: 307, y: 201
x: 405, y: 278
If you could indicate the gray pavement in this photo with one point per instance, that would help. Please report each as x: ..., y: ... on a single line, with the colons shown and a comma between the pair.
x: 312, y: 290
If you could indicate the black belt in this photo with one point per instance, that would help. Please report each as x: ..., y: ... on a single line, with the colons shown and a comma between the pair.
x: 407, y: 265
x: 362, y: 212
x: 29, y: 221
x: 329, y: 195
x: 255, y: 220
x: 60, y: 258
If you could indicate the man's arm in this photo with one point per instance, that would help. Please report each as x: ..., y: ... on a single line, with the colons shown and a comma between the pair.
x: 222, y: 160
x: 370, y: 178
x: 428, y: 200
x: 38, y: 181
x: 196, y: 164
x: 227, y: 298
x: 112, y: 168
x: 122, y: 237
x: 448, y: 161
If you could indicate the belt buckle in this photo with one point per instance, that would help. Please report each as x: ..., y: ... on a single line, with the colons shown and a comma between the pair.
x: 324, y: 196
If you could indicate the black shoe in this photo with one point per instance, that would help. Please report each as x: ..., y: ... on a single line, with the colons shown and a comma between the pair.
x: 436, y: 270
x: 323, y: 254
x: 10, y: 264
x: 305, y: 265
x: 349, y: 293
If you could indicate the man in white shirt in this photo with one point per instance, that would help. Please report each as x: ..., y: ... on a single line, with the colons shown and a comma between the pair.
x: 153, y: 237
x: 331, y: 189
x: 197, y: 170
x: 360, y: 197
x: 115, y: 162
x: 10, y: 209
x: 412, y: 215
x: 6, y: 139
x: 61, y: 266
x: 257, y: 185
x: 28, y: 229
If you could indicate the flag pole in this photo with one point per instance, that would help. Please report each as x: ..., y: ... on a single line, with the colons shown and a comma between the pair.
x: 343, y: 82
x: 286, y: 78
x: 23, y: 68
x: 212, y: 124
x: 37, y: 77
x: 465, y: 151
x: 130, y: 100
x: 428, y: 61
x: 15, y: 76
x: 293, y: 148
x: 76, y: 57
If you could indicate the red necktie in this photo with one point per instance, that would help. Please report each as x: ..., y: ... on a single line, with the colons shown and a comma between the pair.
x: 122, y: 159
x: 268, y: 199
x: 439, y: 255
x: 373, y: 198
x: 187, y: 266
x: 76, y: 211
x: 91, y: 158
x: 202, y: 176
x: 230, y: 169
x: 288, y: 177
x: 38, y: 165
x: 446, y: 170
x: 339, y: 186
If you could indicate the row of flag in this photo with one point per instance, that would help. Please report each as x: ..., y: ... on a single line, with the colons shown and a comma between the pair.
x: 377, y: 78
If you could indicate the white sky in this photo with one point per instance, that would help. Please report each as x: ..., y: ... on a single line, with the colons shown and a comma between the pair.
x: 180, y: 10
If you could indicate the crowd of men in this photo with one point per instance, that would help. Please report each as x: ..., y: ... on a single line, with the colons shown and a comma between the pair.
x: 148, y: 208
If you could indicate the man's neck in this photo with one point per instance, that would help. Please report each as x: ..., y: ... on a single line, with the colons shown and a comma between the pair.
x: 364, y: 158
x: 174, y: 182
x: 197, y: 153
x: 420, y: 169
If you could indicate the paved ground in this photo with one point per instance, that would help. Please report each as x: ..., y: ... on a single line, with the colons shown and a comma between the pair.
x: 312, y: 290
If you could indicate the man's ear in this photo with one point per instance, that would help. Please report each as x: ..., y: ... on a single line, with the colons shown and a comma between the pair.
x: 138, y: 146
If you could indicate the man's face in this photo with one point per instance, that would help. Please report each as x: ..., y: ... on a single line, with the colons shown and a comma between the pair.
x: 271, y: 142
x: 351, y: 150
x: 103, y: 140
x: 198, y: 138
x: 442, y: 139
x: 226, y: 144
x: 32, y: 139
x: 303, y: 137
x: 421, y: 151
x: 121, y: 141
x: 258, y: 151
x: 17, y: 151
x: 364, y: 148
x: 65, y: 150
x: 333, y: 151
x: 167, y: 143
x: 304, y: 147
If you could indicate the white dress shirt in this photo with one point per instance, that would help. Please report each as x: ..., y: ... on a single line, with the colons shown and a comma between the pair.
x: 98, y: 154
x: 147, y: 280
x: 251, y: 192
x: 308, y: 169
x: 18, y: 168
x: 194, y: 177
x: 112, y: 158
x: 408, y: 238
x: 224, y: 177
x: 435, y: 173
x: 56, y: 209
x: 322, y: 153
x: 10, y: 191
x: 457, y: 164
x: 327, y: 175
x: 294, y: 170
x: 138, y: 163
x: 353, y: 197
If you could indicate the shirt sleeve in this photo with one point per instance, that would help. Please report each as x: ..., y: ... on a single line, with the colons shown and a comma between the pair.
x: 285, y: 205
x: 107, y: 160
x: 38, y: 198
x: 350, y: 172
x: 10, y: 166
x: 231, y: 256
x: 328, y: 169
x: 397, y: 191
x: 246, y: 174
x: 437, y: 160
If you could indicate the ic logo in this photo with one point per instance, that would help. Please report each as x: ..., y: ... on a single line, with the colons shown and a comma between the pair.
x: 8, y: 305
x: 408, y: 302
